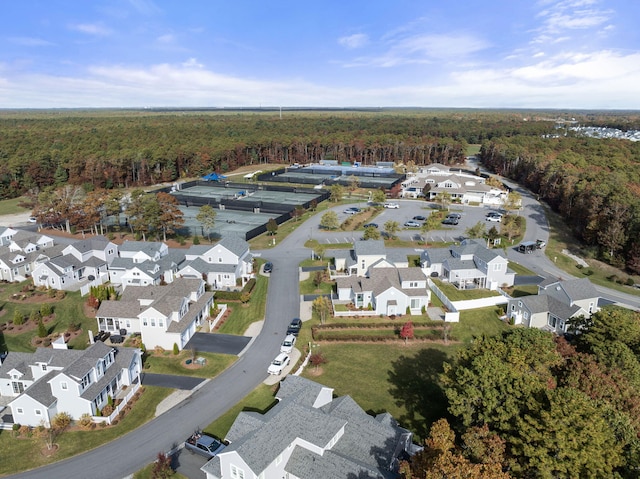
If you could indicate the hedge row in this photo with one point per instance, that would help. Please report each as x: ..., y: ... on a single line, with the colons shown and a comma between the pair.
x: 363, y: 325
x: 375, y: 334
x: 236, y: 295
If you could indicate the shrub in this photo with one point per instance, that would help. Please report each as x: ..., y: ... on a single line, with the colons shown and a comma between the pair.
x: 85, y: 422
x: 46, y: 342
x: 73, y: 326
x: 18, y: 318
x: 25, y: 431
x: 46, y: 309
x: 588, y: 272
x: 107, y: 410
x: 196, y: 240
x: 42, y: 329
x: 176, y: 349
x: 35, y: 316
x: 629, y: 281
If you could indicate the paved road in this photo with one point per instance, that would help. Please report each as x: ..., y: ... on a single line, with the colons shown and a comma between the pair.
x: 170, y: 381
x: 133, y: 451
x: 218, y: 343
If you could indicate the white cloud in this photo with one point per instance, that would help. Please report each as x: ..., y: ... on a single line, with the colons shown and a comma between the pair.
x: 30, y: 42
x: 91, y: 29
x: 168, y: 38
x: 562, y: 17
x: 356, y: 40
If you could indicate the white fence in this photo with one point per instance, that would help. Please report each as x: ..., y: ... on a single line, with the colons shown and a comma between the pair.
x: 116, y: 410
x: 222, y: 308
x: 480, y: 302
x: 85, y: 288
x: 452, y: 315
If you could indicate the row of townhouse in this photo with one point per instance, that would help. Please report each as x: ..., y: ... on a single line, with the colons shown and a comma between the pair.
x: 39, y: 385
x: 26, y: 254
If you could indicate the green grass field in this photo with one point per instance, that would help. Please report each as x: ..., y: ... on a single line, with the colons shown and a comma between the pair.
x: 242, y: 315
x: 9, y: 207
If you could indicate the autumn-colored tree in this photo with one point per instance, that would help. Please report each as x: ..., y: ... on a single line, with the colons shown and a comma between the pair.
x: 322, y: 306
x: 407, y: 332
x: 317, y: 359
x: 336, y: 192
x: 171, y: 217
x: 162, y: 467
x: 379, y: 197
x: 354, y: 184
x: 442, y: 458
x: 297, y: 213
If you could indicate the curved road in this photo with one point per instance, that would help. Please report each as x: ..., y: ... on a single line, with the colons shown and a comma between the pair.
x: 133, y: 451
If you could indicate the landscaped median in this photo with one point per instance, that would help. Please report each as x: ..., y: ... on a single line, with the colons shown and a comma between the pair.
x: 388, y: 330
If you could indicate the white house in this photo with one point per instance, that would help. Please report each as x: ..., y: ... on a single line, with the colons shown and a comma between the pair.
x: 6, y: 234
x: 365, y: 255
x: 462, y: 186
x: 163, y: 315
x: 22, y: 251
x: 141, y: 251
x: 80, y: 262
x: 469, y: 265
x: 386, y: 291
x: 223, y: 265
x: 310, y: 435
x: 555, y: 304
x: 49, y: 381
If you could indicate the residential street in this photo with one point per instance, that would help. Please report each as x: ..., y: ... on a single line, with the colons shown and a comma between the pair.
x: 133, y: 451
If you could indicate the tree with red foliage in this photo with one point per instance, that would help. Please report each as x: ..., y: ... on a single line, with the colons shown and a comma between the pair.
x: 407, y: 331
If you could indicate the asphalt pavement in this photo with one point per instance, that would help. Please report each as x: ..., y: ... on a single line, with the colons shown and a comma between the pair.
x: 131, y: 452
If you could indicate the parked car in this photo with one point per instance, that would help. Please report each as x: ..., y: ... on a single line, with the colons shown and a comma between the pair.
x: 495, y: 219
x: 412, y: 224
x: 278, y: 364
x: 454, y: 215
x: 288, y: 344
x: 352, y: 211
x: 32, y: 219
x: 540, y: 243
x: 391, y: 205
x: 419, y: 218
x: 493, y: 213
x: 203, y: 444
x: 371, y: 225
x: 268, y: 267
x: 527, y: 247
x: 294, y: 326
x: 450, y: 221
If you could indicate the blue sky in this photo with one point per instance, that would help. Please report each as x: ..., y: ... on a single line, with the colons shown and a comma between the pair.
x: 226, y: 53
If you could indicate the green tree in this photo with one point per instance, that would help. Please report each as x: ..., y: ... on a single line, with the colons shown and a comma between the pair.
x: 513, y: 201
x: 431, y: 223
x: 494, y: 379
x: 272, y: 227
x: 391, y: 228
x: 566, y: 437
x: 336, y: 192
x: 476, y: 231
x: 372, y: 233
x: 443, y: 199
x: 42, y: 329
x: 329, y: 220
x: 207, y: 217
x: 379, y: 197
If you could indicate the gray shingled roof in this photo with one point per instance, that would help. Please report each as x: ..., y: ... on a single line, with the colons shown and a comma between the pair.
x: 235, y: 244
x: 366, y: 449
x: 82, y: 365
x: 369, y: 247
x: 41, y: 390
x: 578, y: 289
x: 543, y: 303
x: 95, y: 243
x: 380, y: 280
x: 150, y: 248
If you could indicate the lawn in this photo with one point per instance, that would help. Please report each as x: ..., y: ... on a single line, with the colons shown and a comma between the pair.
x: 242, y: 315
x: 67, y: 311
x: 260, y: 399
x: 308, y: 287
x: 10, y: 207
x: 455, y: 294
x: 168, y: 363
x: 23, y: 454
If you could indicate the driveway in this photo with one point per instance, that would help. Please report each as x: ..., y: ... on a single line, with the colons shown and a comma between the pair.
x: 218, y: 343
x: 170, y: 381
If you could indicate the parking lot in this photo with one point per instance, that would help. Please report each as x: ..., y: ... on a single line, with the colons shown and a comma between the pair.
x: 470, y: 215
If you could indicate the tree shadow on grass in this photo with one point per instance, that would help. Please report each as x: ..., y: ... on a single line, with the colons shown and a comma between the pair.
x: 415, y: 386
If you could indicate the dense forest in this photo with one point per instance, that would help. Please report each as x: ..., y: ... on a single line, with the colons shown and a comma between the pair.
x: 594, y: 184
x: 111, y: 151
x: 528, y: 404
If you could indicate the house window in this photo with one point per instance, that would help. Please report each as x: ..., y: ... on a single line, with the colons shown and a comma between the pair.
x: 64, y: 386
x: 415, y: 303
x: 219, y: 260
x: 497, y: 267
x: 18, y: 387
x: 161, y: 323
x: 144, y: 321
x: 552, y: 321
x: 525, y: 315
x: 153, y: 322
x: 236, y: 472
x: 128, y: 323
x: 19, y: 410
x: 38, y: 412
x: 513, y: 307
x: 44, y: 367
x: 519, y: 304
